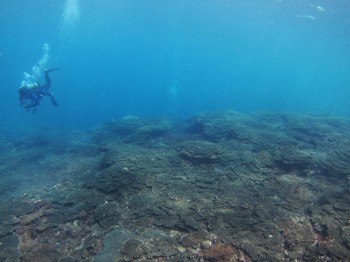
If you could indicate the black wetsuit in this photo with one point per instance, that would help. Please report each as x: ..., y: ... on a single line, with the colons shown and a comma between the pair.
x: 29, y: 97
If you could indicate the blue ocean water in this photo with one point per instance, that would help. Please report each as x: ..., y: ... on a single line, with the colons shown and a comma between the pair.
x: 160, y: 57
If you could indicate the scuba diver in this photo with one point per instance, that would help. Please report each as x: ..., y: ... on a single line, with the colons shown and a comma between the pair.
x: 31, y: 94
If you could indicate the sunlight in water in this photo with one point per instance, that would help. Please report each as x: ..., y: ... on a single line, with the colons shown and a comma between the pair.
x: 71, y: 13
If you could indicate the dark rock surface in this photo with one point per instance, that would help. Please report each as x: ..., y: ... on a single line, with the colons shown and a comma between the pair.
x: 219, y: 186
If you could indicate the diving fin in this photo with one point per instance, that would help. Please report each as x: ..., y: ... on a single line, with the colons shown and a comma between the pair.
x: 53, y: 101
x: 52, y: 69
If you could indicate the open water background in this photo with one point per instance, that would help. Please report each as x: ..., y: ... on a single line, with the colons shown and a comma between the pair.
x: 161, y: 57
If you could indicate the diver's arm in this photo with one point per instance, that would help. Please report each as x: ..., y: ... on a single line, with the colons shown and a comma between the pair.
x: 33, y: 103
x: 21, y: 96
x: 21, y: 102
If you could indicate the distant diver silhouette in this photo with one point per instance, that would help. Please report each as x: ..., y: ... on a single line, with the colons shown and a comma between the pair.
x: 31, y: 94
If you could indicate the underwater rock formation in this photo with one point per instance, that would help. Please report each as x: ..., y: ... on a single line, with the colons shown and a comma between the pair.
x: 219, y: 186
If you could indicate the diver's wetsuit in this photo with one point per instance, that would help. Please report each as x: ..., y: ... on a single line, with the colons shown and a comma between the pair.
x: 29, y: 97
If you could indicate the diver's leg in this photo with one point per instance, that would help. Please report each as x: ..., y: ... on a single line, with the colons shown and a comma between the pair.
x: 48, y: 82
x: 47, y: 79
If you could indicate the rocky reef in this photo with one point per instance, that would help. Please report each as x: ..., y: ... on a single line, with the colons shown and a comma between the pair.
x: 219, y: 186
